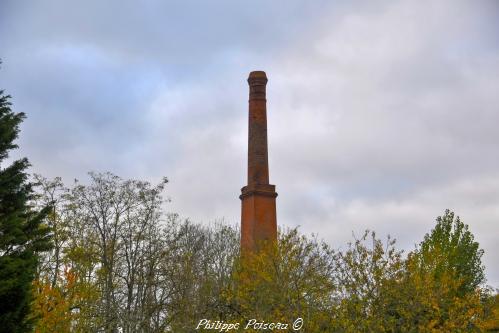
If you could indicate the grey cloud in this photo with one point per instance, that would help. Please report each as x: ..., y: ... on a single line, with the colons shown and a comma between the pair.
x: 381, y: 115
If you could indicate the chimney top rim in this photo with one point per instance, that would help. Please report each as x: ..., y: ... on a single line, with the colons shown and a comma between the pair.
x: 257, y: 75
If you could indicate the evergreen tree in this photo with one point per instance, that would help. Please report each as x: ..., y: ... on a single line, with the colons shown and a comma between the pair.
x: 22, y: 233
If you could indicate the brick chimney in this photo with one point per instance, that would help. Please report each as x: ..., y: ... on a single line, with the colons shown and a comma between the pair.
x: 258, y: 213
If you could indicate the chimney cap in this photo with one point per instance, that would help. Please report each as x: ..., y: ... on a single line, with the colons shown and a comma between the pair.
x: 257, y: 77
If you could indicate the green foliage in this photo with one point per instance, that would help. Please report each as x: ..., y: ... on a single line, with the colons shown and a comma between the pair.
x: 22, y: 233
x: 368, y: 287
x: 284, y: 281
x: 492, y: 309
x: 423, y: 301
x: 441, y: 285
x: 131, y: 268
x: 450, y: 249
x: 363, y: 274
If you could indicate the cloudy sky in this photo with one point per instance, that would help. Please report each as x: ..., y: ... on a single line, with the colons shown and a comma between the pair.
x: 380, y: 114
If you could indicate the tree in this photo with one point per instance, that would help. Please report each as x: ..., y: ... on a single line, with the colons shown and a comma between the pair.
x: 22, y: 232
x: 492, y: 308
x: 440, y: 288
x: 422, y: 301
x: 119, y: 219
x: 64, y: 307
x: 66, y: 297
x: 119, y: 264
x: 363, y: 274
x: 284, y: 281
x: 450, y: 248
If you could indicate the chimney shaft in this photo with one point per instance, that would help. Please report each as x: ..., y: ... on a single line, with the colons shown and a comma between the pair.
x: 258, y: 166
x: 258, y: 213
